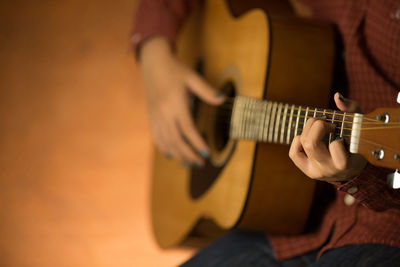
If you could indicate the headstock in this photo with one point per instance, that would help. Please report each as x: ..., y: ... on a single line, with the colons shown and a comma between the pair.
x: 380, y: 137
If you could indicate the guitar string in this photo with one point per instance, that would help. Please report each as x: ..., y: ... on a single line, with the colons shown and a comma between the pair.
x: 337, y: 133
x: 361, y: 139
x: 381, y: 126
x: 317, y: 111
x: 228, y: 110
x: 349, y: 136
x: 384, y: 126
x: 337, y: 113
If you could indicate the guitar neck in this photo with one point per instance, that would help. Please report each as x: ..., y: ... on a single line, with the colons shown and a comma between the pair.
x: 274, y: 122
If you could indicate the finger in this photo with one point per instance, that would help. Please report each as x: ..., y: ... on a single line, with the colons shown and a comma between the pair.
x: 190, y: 132
x: 345, y: 104
x: 307, y: 127
x: 167, y: 143
x: 339, y: 154
x: 203, y: 90
x: 314, y: 148
x: 179, y: 144
x: 161, y: 141
x: 298, y: 156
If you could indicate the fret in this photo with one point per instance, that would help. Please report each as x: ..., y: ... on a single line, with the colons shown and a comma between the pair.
x: 305, y: 118
x: 272, y: 122
x: 252, y: 120
x: 257, y: 115
x: 277, y: 122
x: 267, y: 120
x: 297, y: 120
x: 262, y: 120
x: 341, y: 128
x: 257, y: 106
x: 283, y: 123
x: 248, y: 121
x: 237, y: 118
x: 333, y: 122
x: 244, y: 118
x: 288, y: 139
x: 243, y: 122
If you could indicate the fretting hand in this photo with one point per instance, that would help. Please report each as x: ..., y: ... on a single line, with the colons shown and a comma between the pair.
x: 317, y: 161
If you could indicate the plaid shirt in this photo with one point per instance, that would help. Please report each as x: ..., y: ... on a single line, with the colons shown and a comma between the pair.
x: 365, y: 209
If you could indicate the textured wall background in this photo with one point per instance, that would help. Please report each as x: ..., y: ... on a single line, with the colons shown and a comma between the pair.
x: 74, y: 140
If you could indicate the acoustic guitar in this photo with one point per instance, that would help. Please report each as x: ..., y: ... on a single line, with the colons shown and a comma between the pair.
x: 274, y: 72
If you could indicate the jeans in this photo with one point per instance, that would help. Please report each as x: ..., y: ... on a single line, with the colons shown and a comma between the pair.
x: 248, y: 249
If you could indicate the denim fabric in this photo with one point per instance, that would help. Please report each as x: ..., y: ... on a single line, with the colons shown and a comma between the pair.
x: 249, y: 249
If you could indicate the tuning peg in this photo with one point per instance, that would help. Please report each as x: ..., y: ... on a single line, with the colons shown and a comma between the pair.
x: 393, y: 180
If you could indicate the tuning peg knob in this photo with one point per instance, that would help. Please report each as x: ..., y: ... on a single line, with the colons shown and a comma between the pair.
x: 378, y: 153
x: 393, y: 180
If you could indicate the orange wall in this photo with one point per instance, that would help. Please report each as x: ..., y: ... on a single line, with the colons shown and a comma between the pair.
x: 74, y: 140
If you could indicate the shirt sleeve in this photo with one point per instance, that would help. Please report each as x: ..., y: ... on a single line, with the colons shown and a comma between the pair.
x: 371, y: 189
x: 159, y: 18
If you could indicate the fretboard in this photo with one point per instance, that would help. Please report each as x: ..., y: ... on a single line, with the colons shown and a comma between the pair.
x: 273, y: 122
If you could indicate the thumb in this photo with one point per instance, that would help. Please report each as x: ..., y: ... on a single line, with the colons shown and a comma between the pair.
x: 203, y: 90
x: 345, y: 104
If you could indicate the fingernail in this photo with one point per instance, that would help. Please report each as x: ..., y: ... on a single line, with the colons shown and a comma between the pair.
x: 186, y: 164
x: 198, y: 165
x: 219, y: 95
x: 204, y: 153
x: 338, y: 138
x: 168, y: 156
x: 341, y: 97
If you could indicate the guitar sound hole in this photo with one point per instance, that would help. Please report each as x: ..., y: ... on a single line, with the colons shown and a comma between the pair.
x: 223, y: 118
x: 202, y: 179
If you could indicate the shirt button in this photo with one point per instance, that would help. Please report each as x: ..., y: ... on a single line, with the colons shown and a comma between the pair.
x: 136, y: 38
x: 352, y: 190
x: 349, y: 200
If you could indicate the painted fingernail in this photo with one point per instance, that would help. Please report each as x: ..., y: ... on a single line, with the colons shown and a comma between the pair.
x: 219, y: 95
x: 168, y: 156
x: 204, y: 153
x: 198, y: 165
x: 186, y: 164
x: 341, y: 97
x: 338, y: 138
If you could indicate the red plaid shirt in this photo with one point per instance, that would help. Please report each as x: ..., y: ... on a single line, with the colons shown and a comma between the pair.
x: 365, y: 209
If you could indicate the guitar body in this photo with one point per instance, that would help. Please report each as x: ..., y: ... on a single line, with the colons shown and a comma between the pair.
x: 244, y: 184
